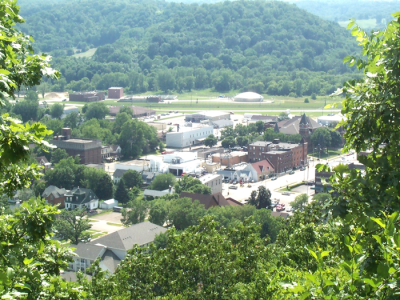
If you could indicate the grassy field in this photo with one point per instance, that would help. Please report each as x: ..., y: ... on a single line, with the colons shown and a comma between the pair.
x: 324, y: 155
x: 365, y: 24
x: 88, y: 53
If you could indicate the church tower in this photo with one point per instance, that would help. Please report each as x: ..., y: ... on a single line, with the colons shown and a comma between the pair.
x: 304, y: 127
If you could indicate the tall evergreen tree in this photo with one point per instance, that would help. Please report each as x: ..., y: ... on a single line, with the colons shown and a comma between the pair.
x: 121, y: 193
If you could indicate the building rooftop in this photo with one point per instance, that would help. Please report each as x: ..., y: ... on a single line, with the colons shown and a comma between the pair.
x: 209, y: 177
x: 78, y: 141
x: 211, y: 113
x: 124, y: 239
x: 140, y: 163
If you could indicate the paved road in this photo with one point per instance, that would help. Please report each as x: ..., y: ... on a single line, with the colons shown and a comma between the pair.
x: 243, y: 193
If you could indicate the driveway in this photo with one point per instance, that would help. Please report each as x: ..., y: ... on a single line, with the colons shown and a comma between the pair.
x: 112, y: 217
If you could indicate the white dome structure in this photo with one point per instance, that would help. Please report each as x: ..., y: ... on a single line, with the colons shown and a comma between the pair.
x: 248, y: 97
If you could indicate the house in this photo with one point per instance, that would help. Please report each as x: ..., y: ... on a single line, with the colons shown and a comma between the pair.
x: 213, y: 181
x: 208, y: 201
x: 112, y: 248
x: 54, y: 196
x: 42, y: 161
x: 118, y: 173
x: 222, y: 123
x: 149, y: 176
x: 263, y: 168
x: 188, y: 136
x: 108, y: 204
x: 81, y: 198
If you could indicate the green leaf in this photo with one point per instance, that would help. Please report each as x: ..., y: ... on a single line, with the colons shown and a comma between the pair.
x: 378, y: 221
x: 27, y: 261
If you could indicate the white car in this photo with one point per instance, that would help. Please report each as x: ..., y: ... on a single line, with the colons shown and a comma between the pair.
x: 286, y: 193
x: 288, y: 209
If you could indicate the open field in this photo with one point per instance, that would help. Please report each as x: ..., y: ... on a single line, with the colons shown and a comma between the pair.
x: 365, y: 24
x: 87, y: 54
x: 324, y: 155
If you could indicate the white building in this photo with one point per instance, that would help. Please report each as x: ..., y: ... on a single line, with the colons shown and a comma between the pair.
x: 248, y: 97
x: 108, y: 204
x: 326, y: 120
x: 182, y: 162
x: 210, y: 115
x: 188, y: 136
x: 213, y: 181
x: 136, y: 165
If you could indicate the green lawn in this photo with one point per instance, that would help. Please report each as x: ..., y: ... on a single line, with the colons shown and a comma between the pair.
x: 324, y: 155
x: 115, y: 224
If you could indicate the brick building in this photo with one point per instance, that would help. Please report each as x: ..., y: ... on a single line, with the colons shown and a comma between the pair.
x: 283, y: 156
x: 230, y: 159
x: 115, y: 92
x: 88, y: 150
x: 87, y: 96
x: 54, y: 195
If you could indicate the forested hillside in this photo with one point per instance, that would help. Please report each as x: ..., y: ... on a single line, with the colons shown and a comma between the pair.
x: 271, y: 47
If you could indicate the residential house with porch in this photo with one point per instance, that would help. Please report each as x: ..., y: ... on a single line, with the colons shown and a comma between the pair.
x: 81, y: 198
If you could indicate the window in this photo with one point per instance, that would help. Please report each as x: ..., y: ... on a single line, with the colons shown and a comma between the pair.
x: 82, y: 260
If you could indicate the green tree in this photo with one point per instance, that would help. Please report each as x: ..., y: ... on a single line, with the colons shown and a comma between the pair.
x: 39, y: 188
x: 336, y: 139
x: 32, y: 96
x: 189, y: 183
x: 132, y: 178
x: 165, y: 80
x: 161, y: 240
x: 105, y: 188
x: 57, y: 155
x: 28, y: 110
x: 322, y: 198
x: 242, y: 141
x: 73, y: 225
x: 162, y: 182
x: 121, y: 193
x: 43, y: 88
x: 135, y: 212
x: 228, y: 142
x: 299, y: 202
x: 158, y: 213
x: 72, y: 120
x: 183, y: 212
x: 127, y: 110
x: 210, y: 141
x: 322, y: 137
x: 260, y: 198
x: 56, y: 110
x: 96, y: 110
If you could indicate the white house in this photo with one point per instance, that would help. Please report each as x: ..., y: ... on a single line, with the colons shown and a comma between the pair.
x: 81, y: 198
x: 108, y: 204
x: 213, y: 181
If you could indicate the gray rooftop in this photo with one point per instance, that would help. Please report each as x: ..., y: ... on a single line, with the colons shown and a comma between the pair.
x: 53, y: 190
x: 118, y: 173
x: 110, y: 260
x: 88, y: 251
x: 124, y: 239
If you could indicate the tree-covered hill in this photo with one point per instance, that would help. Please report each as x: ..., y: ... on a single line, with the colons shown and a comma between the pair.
x: 271, y: 47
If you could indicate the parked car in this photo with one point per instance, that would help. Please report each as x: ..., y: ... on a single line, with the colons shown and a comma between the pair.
x: 302, y: 168
x: 176, y: 111
x: 164, y: 152
x: 92, y: 212
x: 221, y: 96
x: 288, y: 209
x: 233, y: 187
x: 183, y: 174
x: 274, y: 178
x: 170, y: 123
x: 291, y: 172
x: 286, y: 193
x: 234, y: 182
x: 310, y: 182
x: 273, y: 205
